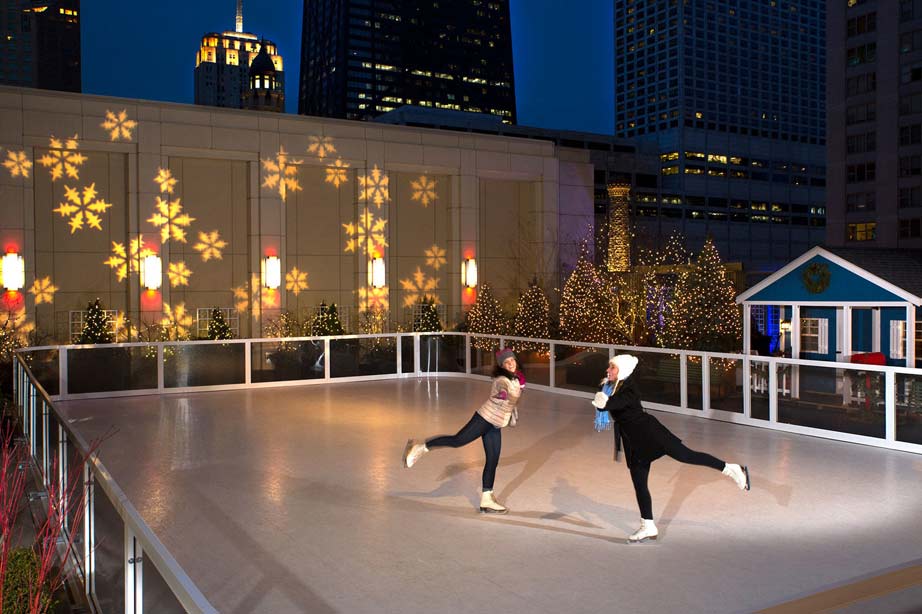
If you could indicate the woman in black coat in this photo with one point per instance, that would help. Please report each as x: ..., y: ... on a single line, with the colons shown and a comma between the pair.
x: 646, y: 439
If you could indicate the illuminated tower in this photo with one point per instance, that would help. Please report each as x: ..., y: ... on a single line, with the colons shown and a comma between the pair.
x: 40, y: 44
x: 362, y: 58
x: 222, y: 69
x: 618, y: 258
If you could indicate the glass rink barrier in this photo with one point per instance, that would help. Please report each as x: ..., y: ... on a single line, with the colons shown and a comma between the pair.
x: 106, y: 548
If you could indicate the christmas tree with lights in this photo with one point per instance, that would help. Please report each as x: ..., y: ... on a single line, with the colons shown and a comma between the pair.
x: 532, y: 318
x: 426, y: 319
x: 589, y: 305
x: 218, y: 328
x: 326, y: 322
x: 96, y: 327
x: 703, y: 314
x: 486, y: 318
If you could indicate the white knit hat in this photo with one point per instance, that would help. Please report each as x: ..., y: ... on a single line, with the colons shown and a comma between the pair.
x: 625, y: 363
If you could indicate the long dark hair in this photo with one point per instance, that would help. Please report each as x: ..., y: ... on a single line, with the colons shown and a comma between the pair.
x: 499, y: 371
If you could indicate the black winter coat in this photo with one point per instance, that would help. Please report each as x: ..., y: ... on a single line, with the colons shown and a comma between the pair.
x: 645, y: 438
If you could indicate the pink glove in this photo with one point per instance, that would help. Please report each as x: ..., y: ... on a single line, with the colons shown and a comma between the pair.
x: 501, y: 395
x: 521, y: 377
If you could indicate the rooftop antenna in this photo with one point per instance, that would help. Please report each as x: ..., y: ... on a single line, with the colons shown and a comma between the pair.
x: 239, y: 16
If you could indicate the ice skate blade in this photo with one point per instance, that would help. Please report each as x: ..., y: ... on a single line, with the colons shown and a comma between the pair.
x: 406, y: 453
x: 641, y: 540
x: 487, y: 510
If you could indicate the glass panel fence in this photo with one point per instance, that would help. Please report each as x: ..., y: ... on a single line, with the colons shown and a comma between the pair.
x: 365, y: 356
x: 75, y: 514
x: 695, y: 395
x: 53, y: 468
x: 44, y: 365
x: 203, y: 364
x: 280, y: 361
x: 726, y: 384
x: 109, y: 369
x: 108, y: 551
x: 157, y: 594
x: 39, y: 425
x: 579, y: 368
x: 483, y: 350
x: 406, y: 355
x: 442, y: 353
x: 534, y: 361
x: 758, y: 386
x: 908, y: 408
x: 658, y: 377
x: 843, y: 400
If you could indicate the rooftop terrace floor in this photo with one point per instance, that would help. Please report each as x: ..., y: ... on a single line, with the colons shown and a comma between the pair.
x: 295, y: 500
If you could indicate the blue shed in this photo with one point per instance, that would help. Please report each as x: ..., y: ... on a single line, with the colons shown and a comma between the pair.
x: 834, y: 302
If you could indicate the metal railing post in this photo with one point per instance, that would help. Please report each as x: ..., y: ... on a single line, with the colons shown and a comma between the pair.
x: 550, y: 363
x: 248, y: 361
x: 772, y: 391
x: 327, y: 357
x: 416, y: 355
x: 160, y: 384
x: 705, y: 382
x: 467, y: 353
x: 683, y: 380
x: 134, y: 574
x: 890, y: 405
x: 747, y: 386
x: 62, y: 372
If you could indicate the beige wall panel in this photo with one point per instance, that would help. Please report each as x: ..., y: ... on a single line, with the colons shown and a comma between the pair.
x: 510, y: 231
x: 234, y: 139
x: 43, y: 125
x: 185, y: 135
x: 11, y: 128
x: 12, y: 210
x: 442, y: 156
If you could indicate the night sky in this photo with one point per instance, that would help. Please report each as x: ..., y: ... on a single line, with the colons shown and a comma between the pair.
x: 562, y: 52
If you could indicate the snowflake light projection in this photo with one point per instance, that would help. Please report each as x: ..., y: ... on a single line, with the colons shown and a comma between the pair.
x: 281, y: 173
x: 178, y: 274
x: 424, y: 190
x: 321, y: 146
x: 18, y: 163
x: 336, y: 172
x: 435, y: 257
x: 248, y: 297
x: 375, y: 187
x: 16, y: 322
x: 295, y: 281
x: 43, y: 290
x: 80, y: 208
x: 366, y: 235
x: 177, y: 320
x: 374, y: 298
x: 123, y: 263
x: 63, y: 158
x: 419, y: 287
x: 210, y: 245
x: 169, y: 217
x: 118, y: 125
x: 165, y: 180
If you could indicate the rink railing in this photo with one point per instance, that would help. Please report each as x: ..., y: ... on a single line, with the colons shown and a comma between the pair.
x: 124, y: 567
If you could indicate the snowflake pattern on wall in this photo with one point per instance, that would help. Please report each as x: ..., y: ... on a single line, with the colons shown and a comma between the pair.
x: 295, y: 281
x: 169, y: 217
x: 18, y: 163
x: 123, y: 263
x: 118, y: 125
x: 366, y: 235
x: 16, y: 322
x: 63, y: 158
x: 435, y: 257
x: 336, y: 172
x: 281, y: 173
x: 419, y: 287
x: 43, y: 290
x: 423, y: 190
x: 321, y: 146
x: 374, y: 298
x: 177, y: 320
x: 80, y: 208
x: 165, y: 180
x: 374, y: 187
x: 178, y: 274
x: 210, y: 245
x: 249, y: 297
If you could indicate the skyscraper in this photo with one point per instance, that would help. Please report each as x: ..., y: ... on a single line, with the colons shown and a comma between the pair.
x: 732, y: 94
x: 875, y: 123
x: 40, y: 44
x: 223, y: 70
x: 362, y: 58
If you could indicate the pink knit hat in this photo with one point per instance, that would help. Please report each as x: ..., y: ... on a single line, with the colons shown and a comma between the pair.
x: 503, y: 354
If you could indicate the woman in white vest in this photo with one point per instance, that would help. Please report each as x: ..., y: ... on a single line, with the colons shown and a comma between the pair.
x: 498, y: 412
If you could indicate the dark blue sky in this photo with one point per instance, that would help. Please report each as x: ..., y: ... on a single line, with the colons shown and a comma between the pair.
x: 563, y: 52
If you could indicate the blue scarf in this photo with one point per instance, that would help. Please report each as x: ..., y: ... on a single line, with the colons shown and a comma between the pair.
x: 603, y: 418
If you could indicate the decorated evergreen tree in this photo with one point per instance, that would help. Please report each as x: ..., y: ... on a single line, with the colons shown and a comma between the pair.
x: 326, y: 323
x: 486, y: 317
x: 661, y: 268
x: 426, y: 319
x: 589, y: 305
x: 286, y: 325
x: 703, y: 310
x: 218, y: 327
x: 532, y: 317
x: 96, y: 327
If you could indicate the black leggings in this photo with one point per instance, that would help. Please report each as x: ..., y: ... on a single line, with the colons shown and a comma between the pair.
x: 640, y: 472
x: 476, y: 427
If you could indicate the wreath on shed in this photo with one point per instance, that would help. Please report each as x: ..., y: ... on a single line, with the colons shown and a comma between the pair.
x: 816, y: 277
